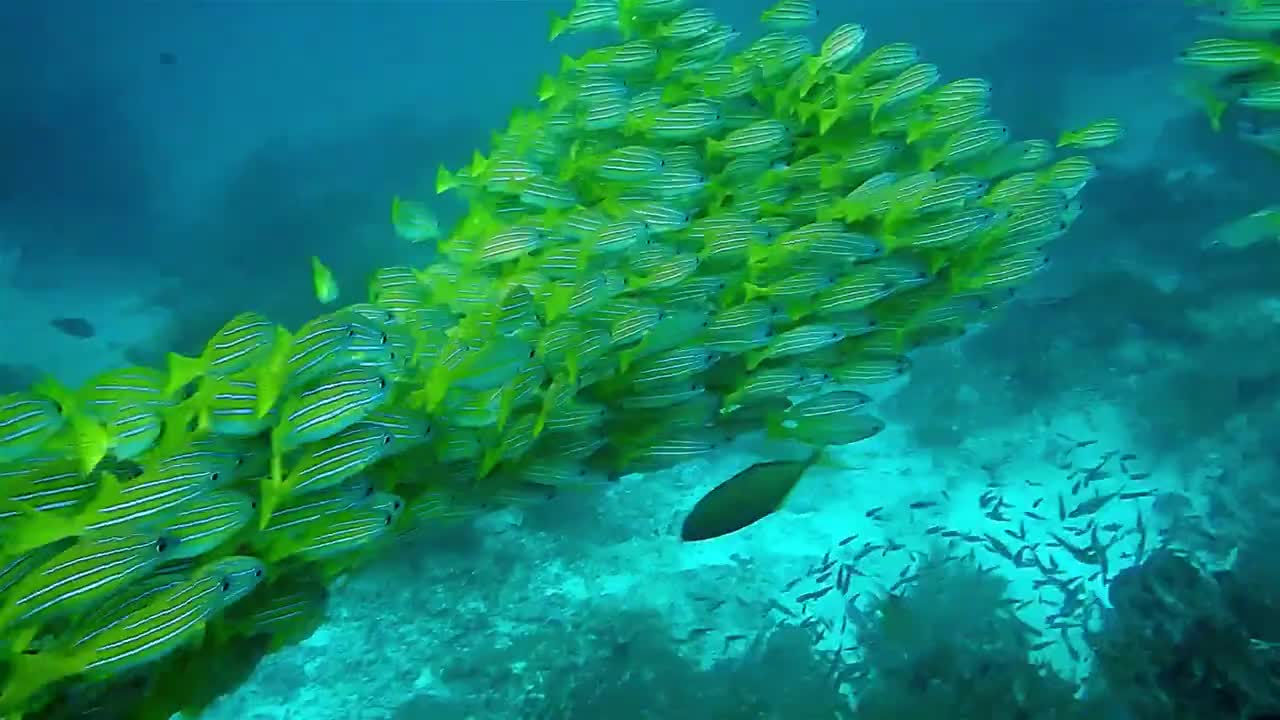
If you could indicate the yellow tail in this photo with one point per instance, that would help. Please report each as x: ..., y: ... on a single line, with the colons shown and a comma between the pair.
x: 182, y: 370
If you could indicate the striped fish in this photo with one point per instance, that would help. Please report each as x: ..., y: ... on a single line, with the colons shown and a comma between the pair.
x: 1230, y: 55
x: 947, y: 231
x: 167, y: 619
x: 509, y: 244
x: 301, y: 511
x: 550, y: 194
x: 207, y: 521
x: 101, y: 397
x: 607, y: 113
x: 838, y: 48
x: 758, y: 137
x: 128, y: 431
x: 81, y: 575
x: 666, y: 450
x: 586, y: 15
x: 325, y: 409
x: 229, y: 406
x: 869, y: 370
x: 1107, y: 131
x: 45, y: 484
x: 18, y: 567
x: 790, y: 15
x: 393, y: 279
x: 27, y: 423
x: 973, y: 141
x: 796, y: 341
x: 328, y: 343
x: 149, y: 500
x: 689, y: 121
x: 1069, y: 175
x: 287, y: 611
x: 630, y: 164
x: 224, y: 455
x: 840, y: 402
x: 911, y: 83
x: 672, y: 365
x: 330, y: 462
x: 246, y: 340
x: 343, y: 531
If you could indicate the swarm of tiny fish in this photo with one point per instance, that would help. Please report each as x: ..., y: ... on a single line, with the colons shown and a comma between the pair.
x: 688, y: 241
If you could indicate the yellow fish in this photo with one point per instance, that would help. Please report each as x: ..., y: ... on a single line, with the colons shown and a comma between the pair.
x: 1098, y: 134
x: 322, y: 277
x: 413, y: 221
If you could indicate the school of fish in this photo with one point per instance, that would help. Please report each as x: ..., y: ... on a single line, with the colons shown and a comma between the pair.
x: 690, y: 240
x: 1240, y: 69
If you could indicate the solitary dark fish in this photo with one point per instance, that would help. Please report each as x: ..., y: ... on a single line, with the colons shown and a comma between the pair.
x: 743, y: 499
x: 74, y: 326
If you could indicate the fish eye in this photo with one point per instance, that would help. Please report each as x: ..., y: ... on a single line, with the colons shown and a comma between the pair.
x: 386, y: 439
x: 397, y: 505
x: 384, y: 338
x: 835, y: 334
x: 57, y: 407
x: 162, y: 544
x: 257, y: 573
x: 253, y: 504
x: 382, y: 383
x: 213, y: 476
x: 387, y: 520
x: 226, y: 586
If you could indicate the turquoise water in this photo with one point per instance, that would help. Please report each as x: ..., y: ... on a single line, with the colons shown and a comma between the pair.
x: 1068, y: 514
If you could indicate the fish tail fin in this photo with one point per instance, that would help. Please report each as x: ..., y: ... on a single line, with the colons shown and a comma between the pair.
x: 182, y: 370
x: 178, y: 422
x: 917, y: 130
x: 445, y: 180
x: 271, y: 378
x: 559, y: 25
x: 32, y: 529
x: 627, y: 357
x: 827, y: 117
x: 270, y: 493
x: 567, y: 65
x: 829, y: 176
x: 547, y: 88
x: 667, y: 62
x: 57, y: 392
x: 31, y: 674
x: 92, y: 442
x: 492, y: 456
x: 396, y: 210
x: 774, y: 428
x: 753, y: 359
